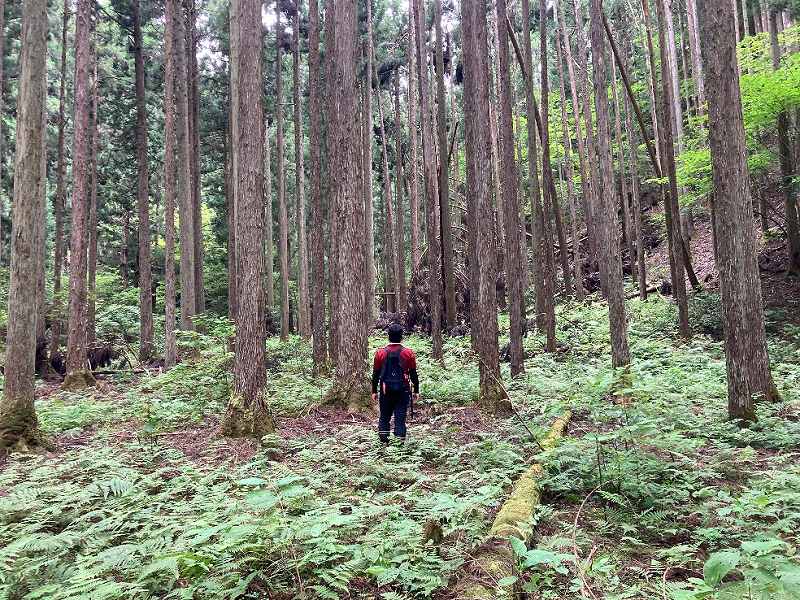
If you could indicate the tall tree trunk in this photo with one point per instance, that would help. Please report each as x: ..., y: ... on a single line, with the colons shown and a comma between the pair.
x: 60, y: 198
x: 637, y: 206
x: 170, y: 184
x: 479, y: 204
x: 2, y: 111
x: 788, y: 170
x: 183, y: 165
x: 400, y: 241
x: 91, y: 304
x: 349, y: 384
x: 193, y: 100
x: 585, y: 172
x: 413, y: 124
x: 303, y: 304
x: 269, y: 245
x: 671, y: 210
x: 625, y: 202
x: 543, y: 255
x: 516, y: 298
x: 669, y: 50
x: 18, y: 422
x: 230, y: 220
x: 431, y: 185
x: 389, y: 254
x: 549, y: 188
x: 247, y: 413
x: 369, y: 230
x: 77, y: 374
x: 143, y: 195
x: 651, y: 69
x: 562, y: 42
x: 317, y: 216
x: 444, y: 176
x: 283, y: 211
x: 745, y: 340
x: 609, y: 246
x: 697, y: 64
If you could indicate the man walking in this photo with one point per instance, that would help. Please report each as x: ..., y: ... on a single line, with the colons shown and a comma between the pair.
x: 394, y: 372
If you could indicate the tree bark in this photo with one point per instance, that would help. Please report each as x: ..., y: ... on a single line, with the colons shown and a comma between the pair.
x: 513, y: 226
x: 280, y: 176
x: 740, y: 285
x: 349, y: 383
x: 91, y: 267
x: 477, y: 149
x: 60, y: 198
x: 637, y: 207
x: 609, y: 245
x: 170, y: 184
x: 413, y: 124
x: 183, y: 166
x: 653, y: 83
x: 303, y: 303
x: 389, y: 253
x: 400, y: 242
x: 77, y: 374
x: 247, y: 413
x: 561, y: 42
x: 697, y: 64
x: 671, y: 210
x: 788, y: 171
x: 18, y: 422
x: 194, y: 116
x: 625, y: 202
x: 143, y: 195
x: 444, y: 176
x: 369, y: 230
x: 431, y: 186
x: 543, y: 255
x: 317, y: 216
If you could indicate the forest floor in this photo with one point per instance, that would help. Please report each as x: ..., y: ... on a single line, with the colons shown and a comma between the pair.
x: 661, y: 497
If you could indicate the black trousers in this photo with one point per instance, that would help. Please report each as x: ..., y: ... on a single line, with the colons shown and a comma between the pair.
x: 393, y: 404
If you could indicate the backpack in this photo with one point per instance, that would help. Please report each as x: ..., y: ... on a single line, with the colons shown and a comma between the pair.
x: 393, y: 375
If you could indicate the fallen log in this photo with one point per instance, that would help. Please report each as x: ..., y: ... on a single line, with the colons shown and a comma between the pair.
x: 495, y: 558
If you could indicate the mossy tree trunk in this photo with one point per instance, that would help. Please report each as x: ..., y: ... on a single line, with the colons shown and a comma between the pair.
x: 18, y: 423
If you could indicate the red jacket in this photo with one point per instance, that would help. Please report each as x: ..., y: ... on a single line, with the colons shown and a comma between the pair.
x: 408, y: 360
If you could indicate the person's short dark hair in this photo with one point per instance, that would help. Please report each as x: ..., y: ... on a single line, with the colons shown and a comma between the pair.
x: 395, y: 333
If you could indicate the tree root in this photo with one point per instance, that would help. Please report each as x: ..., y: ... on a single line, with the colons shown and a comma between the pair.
x: 78, y: 380
x: 495, y: 559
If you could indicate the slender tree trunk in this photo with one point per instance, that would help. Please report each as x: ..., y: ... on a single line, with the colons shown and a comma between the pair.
x: 183, y: 165
x: 671, y: 210
x: 170, y: 184
x: 669, y: 50
x: 697, y: 64
x: 143, y: 195
x: 400, y: 241
x: 60, y: 198
x: 444, y: 175
x: 18, y: 422
x: 231, y: 221
x: 788, y: 170
x: 389, y: 253
x: 2, y: 112
x: 349, y: 383
x: 479, y: 204
x: 625, y: 203
x: 516, y: 298
x: 609, y: 246
x: 77, y: 374
x: 283, y: 212
x: 637, y: 207
x: 91, y: 304
x: 303, y: 305
x: 431, y: 185
x: 194, y: 141
x: 560, y: 43
x: 413, y: 124
x: 542, y: 263
x: 745, y: 340
x: 651, y: 68
x: 269, y: 244
x: 247, y: 413
x: 317, y: 216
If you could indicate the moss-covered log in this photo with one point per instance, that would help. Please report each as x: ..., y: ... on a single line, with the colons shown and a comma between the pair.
x: 494, y: 559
